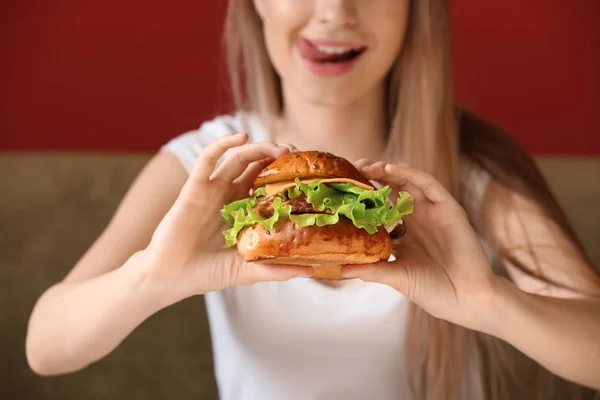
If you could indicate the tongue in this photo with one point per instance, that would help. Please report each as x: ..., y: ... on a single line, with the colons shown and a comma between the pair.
x: 313, y: 54
x: 337, y: 57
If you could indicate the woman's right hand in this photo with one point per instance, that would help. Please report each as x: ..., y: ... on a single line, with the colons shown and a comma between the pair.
x: 186, y: 249
x: 109, y: 295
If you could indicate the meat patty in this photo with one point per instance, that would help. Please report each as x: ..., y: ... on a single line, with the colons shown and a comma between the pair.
x: 264, y: 208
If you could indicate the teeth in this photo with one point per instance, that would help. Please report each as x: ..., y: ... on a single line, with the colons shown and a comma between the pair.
x: 333, y: 49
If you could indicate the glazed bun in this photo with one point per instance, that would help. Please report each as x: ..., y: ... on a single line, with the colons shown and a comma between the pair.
x: 308, y: 164
x: 324, y: 248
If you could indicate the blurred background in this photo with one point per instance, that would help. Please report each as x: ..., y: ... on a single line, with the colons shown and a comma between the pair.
x: 89, y: 90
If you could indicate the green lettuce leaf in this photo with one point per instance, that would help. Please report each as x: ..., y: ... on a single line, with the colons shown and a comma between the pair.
x: 367, y: 209
x: 260, y: 192
x: 239, y: 215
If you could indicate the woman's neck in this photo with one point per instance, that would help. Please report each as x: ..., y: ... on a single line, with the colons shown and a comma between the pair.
x: 357, y: 130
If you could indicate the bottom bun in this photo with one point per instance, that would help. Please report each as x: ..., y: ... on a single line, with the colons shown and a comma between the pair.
x: 325, y: 248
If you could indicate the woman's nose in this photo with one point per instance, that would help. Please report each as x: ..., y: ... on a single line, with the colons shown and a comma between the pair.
x: 336, y: 13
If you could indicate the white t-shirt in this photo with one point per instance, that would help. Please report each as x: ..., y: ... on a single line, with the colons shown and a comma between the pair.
x: 299, y: 340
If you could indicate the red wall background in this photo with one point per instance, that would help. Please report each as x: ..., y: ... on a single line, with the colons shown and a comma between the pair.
x: 129, y: 75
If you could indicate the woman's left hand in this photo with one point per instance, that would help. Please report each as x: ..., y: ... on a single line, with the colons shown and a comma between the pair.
x: 440, y: 264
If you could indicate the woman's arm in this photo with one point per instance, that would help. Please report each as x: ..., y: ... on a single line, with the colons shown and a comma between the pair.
x: 562, y: 335
x: 442, y: 267
x: 84, y: 317
x: 169, y: 233
x: 77, y: 323
x: 553, y: 312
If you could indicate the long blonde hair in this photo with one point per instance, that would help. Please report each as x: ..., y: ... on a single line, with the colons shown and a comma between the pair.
x: 423, y: 131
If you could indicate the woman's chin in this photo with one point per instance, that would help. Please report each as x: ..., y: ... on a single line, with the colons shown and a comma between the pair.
x: 329, y: 98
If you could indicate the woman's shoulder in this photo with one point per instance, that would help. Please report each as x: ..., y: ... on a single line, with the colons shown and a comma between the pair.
x: 188, y: 145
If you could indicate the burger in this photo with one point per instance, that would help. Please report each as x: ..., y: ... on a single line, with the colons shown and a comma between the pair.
x: 316, y: 209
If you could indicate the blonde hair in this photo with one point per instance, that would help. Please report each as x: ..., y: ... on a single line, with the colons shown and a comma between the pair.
x: 423, y: 132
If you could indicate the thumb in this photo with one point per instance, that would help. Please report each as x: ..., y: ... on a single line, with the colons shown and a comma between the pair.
x: 260, y: 272
x: 395, y: 274
x: 241, y: 272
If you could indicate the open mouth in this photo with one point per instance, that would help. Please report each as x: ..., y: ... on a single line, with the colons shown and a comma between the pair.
x: 338, y: 53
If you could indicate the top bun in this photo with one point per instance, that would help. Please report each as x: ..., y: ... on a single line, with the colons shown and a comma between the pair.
x: 308, y: 164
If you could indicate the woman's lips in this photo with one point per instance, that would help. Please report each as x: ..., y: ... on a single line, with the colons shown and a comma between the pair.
x: 327, y: 57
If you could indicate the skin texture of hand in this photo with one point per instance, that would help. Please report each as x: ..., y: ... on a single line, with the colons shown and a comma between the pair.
x: 186, y: 247
x: 440, y: 264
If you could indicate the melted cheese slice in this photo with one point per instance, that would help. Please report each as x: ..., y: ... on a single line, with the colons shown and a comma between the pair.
x: 274, y: 188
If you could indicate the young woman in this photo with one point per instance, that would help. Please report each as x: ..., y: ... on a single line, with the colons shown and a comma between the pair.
x: 491, y: 297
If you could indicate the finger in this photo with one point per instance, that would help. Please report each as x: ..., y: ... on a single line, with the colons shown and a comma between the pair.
x: 210, y: 155
x: 393, y: 274
x: 290, y: 147
x: 363, y: 162
x: 247, y: 178
x: 403, y: 175
x: 241, y: 157
x: 374, y: 171
x: 227, y: 268
x: 376, y: 184
x: 406, y: 186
